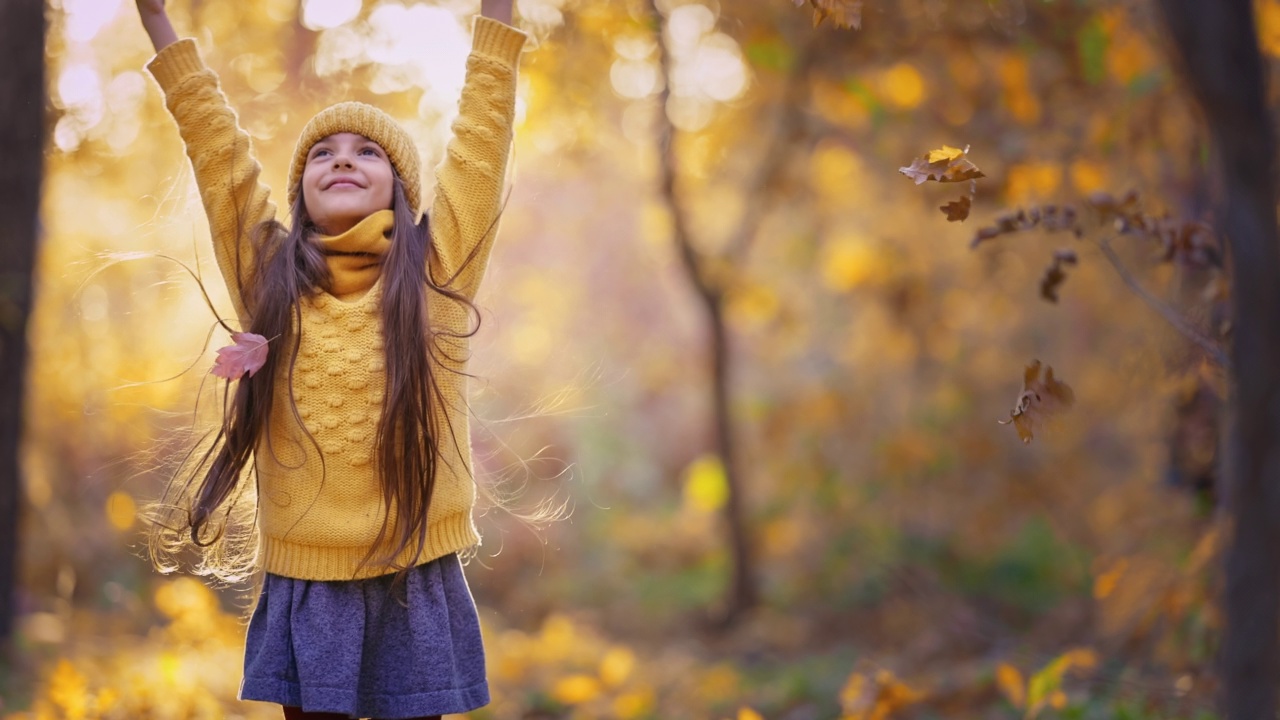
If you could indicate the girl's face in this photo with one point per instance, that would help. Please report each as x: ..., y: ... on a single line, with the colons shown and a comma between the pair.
x: 347, y: 177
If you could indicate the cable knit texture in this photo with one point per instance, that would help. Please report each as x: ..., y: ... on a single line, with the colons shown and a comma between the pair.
x: 320, y: 512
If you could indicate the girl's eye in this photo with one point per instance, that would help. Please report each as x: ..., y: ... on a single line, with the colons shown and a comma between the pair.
x: 369, y: 151
x: 319, y: 153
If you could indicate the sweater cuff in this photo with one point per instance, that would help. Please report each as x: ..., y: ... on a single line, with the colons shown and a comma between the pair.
x: 497, y: 40
x: 175, y: 62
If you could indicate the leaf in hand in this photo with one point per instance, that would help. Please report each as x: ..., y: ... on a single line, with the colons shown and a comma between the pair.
x: 946, y: 164
x: 1040, y: 400
x: 843, y: 13
x: 1054, y: 275
x: 957, y: 210
x: 246, y: 354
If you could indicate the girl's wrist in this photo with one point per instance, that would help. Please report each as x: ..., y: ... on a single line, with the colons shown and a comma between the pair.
x: 500, y: 10
x: 160, y: 30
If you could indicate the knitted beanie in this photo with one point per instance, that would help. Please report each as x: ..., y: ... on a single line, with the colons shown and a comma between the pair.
x: 369, y: 121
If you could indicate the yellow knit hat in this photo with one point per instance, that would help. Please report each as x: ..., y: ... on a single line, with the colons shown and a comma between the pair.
x: 369, y: 121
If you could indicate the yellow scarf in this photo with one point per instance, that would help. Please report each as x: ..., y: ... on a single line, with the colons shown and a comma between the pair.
x: 355, y: 256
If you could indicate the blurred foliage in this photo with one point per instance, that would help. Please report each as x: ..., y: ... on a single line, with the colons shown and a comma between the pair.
x: 917, y: 559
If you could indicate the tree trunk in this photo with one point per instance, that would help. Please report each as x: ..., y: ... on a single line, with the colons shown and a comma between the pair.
x: 22, y: 27
x: 742, y: 589
x: 742, y: 586
x: 1224, y: 68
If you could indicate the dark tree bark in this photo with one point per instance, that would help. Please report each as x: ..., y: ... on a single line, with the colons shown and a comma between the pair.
x: 22, y: 26
x: 1224, y: 69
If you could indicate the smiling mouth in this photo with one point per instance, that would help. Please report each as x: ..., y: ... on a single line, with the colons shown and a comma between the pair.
x: 343, y: 184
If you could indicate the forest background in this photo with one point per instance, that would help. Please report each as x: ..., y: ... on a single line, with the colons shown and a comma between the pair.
x: 754, y: 360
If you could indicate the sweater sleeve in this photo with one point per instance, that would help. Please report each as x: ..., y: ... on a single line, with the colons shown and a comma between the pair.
x: 469, y: 181
x: 226, y: 172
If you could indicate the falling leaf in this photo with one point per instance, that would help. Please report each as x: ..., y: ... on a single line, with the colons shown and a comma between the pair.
x: 1054, y: 275
x: 1039, y: 401
x: 946, y: 164
x: 246, y: 354
x: 957, y: 210
x: 843, y: 13
x: 946, y: 152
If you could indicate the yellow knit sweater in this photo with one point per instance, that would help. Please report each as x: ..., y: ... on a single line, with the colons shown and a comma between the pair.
x: 319, y: 513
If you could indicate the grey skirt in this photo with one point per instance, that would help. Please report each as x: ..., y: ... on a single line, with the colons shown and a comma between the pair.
x: 353, y: 647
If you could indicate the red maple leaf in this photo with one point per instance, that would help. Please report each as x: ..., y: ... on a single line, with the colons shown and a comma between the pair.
x: 246, y: 354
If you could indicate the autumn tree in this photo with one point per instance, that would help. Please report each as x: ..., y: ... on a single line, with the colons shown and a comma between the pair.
x: 21, y: 133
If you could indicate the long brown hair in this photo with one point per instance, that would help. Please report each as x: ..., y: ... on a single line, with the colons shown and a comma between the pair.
x: 291, y: 266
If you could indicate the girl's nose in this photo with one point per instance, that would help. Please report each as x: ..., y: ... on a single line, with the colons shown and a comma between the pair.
x: 341, y: 160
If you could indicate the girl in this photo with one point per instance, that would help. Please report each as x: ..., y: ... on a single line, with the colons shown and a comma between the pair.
x: 354, y: 425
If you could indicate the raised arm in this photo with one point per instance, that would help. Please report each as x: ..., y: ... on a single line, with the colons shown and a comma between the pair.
x: 469, y: 181
x: 227, y: 175
x: 156, y: 22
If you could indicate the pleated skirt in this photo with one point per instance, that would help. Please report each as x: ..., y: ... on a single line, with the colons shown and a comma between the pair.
x: 367, y: 649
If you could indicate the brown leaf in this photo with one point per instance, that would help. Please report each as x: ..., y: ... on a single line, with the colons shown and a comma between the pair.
x: 1054, y: 275
x: 246, y: 354
x: 843, y: 13
x: 1039, y: 401
x: 946, y: 164
x: 957, y: 210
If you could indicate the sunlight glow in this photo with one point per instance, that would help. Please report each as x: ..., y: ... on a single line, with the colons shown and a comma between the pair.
x: 541, y: 14
x: 86, y: 18
x: 687, y: 24
x: 632, y: 79
x: 720, y: 72
x: 125, y: 95
x: 634, y: 48
x: 78, y: 86
x: 79, y: 93
x: 414, y: 47
x: 325, y: 14
x: 689, y: 114
x: 706, y: 65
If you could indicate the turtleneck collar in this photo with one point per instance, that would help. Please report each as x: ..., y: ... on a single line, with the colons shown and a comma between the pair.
x: 355, y: 256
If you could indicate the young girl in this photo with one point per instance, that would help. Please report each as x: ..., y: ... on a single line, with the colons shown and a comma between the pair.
x: 354, y: 427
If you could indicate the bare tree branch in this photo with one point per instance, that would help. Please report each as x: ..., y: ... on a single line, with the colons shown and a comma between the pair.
x: 791, y: 112
x: 666, y: 136
x: 1173, y: 317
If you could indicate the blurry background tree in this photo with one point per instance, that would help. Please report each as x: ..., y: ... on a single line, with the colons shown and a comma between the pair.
x: 1229, y: 80
x: 22, y: 119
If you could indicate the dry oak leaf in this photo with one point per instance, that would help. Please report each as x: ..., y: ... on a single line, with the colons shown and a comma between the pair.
x: 247, y: 353
x: 958, y: 210
x: 843, y: 13
x: 946, y: 164
x: 1054, y: 275
x: 1040, y: 400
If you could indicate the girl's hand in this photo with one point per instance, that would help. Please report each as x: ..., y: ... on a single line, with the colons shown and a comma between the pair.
x: 499, y: 10
x: 150, y: 7
x: 156, y: 22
